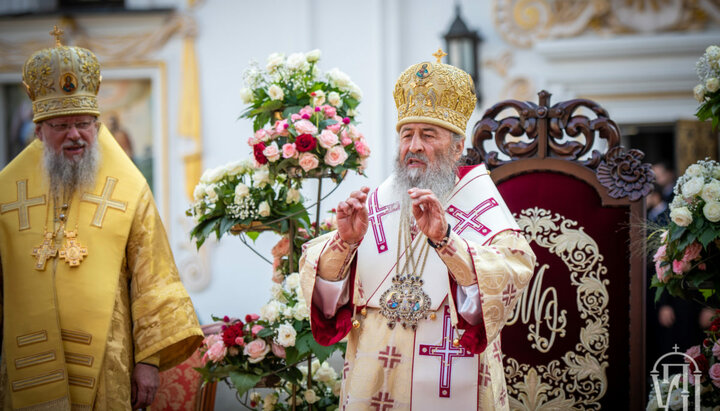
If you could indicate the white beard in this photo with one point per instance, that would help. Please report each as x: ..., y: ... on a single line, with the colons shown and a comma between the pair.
x: 66, y: 176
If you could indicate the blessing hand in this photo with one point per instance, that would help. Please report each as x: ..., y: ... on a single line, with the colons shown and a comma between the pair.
x: 429, y: 214
x: 352, y: 216
x: 145, y: 382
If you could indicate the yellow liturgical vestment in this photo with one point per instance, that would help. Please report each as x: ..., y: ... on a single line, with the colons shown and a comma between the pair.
x: 77, y: 320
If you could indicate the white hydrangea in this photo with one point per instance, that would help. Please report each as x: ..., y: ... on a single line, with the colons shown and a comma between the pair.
x: 286, y: 335
x: 270, y: 311
x: 275, y: 92
x: 292, y: 196
x: 274, y: 61
x: 261, y: 177
x: 712, y: 211
x: 264, y: 209
x: 313, y: 55
x: 326, y: 373
x: 334, y: 99
x: 693, y: 187
x: 246, y: 95
x: 681, y: 216
x: 711, y: 191
x: 292, y: 281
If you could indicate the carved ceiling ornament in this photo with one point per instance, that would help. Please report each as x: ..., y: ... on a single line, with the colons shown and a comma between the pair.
x: 578, y: 380
x: 524, y: 22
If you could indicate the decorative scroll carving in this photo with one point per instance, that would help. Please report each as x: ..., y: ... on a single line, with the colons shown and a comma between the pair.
x: 625, y: 175
x: 557, y: 131
x: 578, y: 380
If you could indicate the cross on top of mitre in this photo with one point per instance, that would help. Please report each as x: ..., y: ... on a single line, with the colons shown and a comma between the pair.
x: 57, y: 32
x: 439, y: 54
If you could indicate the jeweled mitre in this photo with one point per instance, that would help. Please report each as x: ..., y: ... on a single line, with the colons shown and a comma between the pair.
x: 435, y: 93
x: 62, y: 81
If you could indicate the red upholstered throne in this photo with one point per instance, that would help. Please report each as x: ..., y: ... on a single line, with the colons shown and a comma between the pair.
x: 575, y: 339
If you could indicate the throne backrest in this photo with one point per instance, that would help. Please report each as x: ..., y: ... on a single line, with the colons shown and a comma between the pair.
x: 575, y: 339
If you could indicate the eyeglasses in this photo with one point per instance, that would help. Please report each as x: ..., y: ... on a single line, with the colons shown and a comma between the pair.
x: 62, y: 127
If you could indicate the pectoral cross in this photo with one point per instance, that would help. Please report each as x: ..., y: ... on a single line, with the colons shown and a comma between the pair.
x: 104, y: 201
x: 22, y: 205
x: 73, y: 252
x: 45, y: 251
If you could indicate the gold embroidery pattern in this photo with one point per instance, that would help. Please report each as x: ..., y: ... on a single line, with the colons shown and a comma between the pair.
x: 79, y: 359
x: 32, y: 338
x: 85, y: 382
x: 32, y: 382
x: 104, y: 201
x: 34, y: 359
x: 578, y: 380
x: 76, y: 336
x: 22, y: 204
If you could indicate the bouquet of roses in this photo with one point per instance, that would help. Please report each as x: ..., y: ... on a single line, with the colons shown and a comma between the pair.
x: 707, y: 92
x: 688, y: 252
x: 303, y: 119
x: 268, y: 346
x: 705, y: 363
x: 239, y: 193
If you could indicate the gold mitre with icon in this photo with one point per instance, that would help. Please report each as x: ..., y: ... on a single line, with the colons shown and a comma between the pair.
x: 435, y: 93
x: 62, y: 81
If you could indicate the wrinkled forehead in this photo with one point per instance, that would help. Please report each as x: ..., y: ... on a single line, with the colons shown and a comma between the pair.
x: 423, y: 127
x: 71, y: 119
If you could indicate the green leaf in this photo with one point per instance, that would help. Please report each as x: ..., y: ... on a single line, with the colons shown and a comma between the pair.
x: 243, y: 381
x: 321, y: 352
x: 226, y: 223
x: 291, y: 355
x: 707, y: 237
x: 327, y: 122
x: 677, y: 232
x: 265, y: 332
x: 302, y: 342
x: 253, y: 235
x: 706, y: 292
x: 290, y: 110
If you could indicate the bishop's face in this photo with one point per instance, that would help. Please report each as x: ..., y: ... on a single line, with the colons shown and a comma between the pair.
x: 423, y: 145
x: 70, y: 135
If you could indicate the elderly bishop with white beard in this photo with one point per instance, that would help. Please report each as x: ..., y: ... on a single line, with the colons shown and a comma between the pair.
x: 92, y: 305
x: 424, y: 270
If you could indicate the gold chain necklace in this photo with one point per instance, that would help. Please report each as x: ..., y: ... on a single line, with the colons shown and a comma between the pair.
x: 405, y: 301
x: 72, y: 251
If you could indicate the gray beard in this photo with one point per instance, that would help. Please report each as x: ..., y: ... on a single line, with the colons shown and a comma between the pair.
x: 67, y: 176
x: 438, y: 177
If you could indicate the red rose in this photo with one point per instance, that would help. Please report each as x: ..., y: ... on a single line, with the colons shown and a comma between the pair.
x: 702, y: 363
x: 258, y: 152
x: 305, y: 142
x: 231, y: 333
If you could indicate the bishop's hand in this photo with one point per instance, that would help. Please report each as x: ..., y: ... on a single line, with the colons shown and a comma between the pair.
x: 429, y: 214
x: 352, y: 216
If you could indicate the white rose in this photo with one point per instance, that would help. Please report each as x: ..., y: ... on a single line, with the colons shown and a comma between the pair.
x: 288, y: 312
x: 286, y: 335
x: 264, y: 209
x: 338, y: 78
x: 300, y: 311
x: 694, y: 170
x: 246, y: 95
x: 337, y: 388
x: 211, y: 175
x: 319, y: 98
x: 352, y: 112
x: 310, y: 396
x: 292, y: 281
x: 715, y: 172
x: 276, y: 291
x: 235, y: 168
x: 297, y: 61
x: 269, y: 402
x: 275, y: 92
x: 712, y: 84
x: 241, y: 190
x: 274, y: 61
x: 712, y: 211
x: 271, y: 310
x: 199, y: 191
x: 261, y: 177
x: 355, y: 92
x: 313, y: 55
x: 675, y: 401
x: 211, y: 193
x: 292, y: 196
x: 692, y: 187
x: 334, y: 99
x: 325, y: 373
x: 711, y: 191
x: 699, y: 93
x: 681, y: 216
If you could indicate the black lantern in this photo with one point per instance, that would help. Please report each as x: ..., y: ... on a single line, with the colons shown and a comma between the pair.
x: 463, y: 48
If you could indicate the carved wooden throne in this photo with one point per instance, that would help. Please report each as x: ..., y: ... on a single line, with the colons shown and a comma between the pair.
x: 576, y: 337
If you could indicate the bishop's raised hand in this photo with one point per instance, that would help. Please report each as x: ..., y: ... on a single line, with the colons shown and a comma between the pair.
x: 429, y: 214
x: 352, y: 216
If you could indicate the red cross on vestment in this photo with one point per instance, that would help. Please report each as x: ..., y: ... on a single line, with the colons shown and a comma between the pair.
x: 382, y: 401
x: 375, y: 215
x: 484, y: 372
x: 470, y: 220
x: 390, y: 357
x: 446, y: 352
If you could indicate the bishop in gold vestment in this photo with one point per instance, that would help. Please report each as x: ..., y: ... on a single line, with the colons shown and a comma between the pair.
x: 89, y: 285
x: 423, y: 270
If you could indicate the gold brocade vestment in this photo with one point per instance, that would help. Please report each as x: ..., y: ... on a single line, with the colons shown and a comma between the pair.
x: 72, y: 335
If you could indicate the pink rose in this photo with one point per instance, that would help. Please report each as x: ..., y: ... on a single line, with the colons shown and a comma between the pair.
x: 272, y: 152
x: 308, y: 161
x: 330, y: 111
x: 680, y: 266
x: 660, y: 253
x: 715, y: 374
x: 692, y: 252
x: 692, y: 352
x: 256, y: 329
x: 327, y: 139
x: 239, y: 341
x: 281, y: 127
x: 361, y: 147
x: 251, y: 317
x: 217, y: 351
x: 278, y: 277
x: 702, y: 266
x: 256, y: 349
x: 262, y: 135
x: 306, y: 112
x: 252, y: 141
x: 289, y: 150
x: 295, y: 117
x: 661, y: 271
x: 335, y: 128
x: 305, y: 127
x: 278, y: 350
x: 346, y: 141
x: 716, y: 349
x: 335, y: 156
